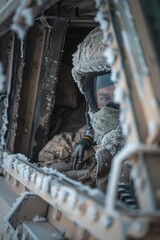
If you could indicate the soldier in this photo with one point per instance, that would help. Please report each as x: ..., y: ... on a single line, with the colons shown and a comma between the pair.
x: 93, y: 76
x: 103, y: 132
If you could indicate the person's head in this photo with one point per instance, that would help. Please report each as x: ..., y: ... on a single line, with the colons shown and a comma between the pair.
x: 104, y: 90
x: 98, y: 90
x: 91, y: 71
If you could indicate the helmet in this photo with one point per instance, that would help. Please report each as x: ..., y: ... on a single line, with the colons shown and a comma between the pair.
x: 89, y: 57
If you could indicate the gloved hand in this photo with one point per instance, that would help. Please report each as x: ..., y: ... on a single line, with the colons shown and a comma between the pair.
x: 85, y: 143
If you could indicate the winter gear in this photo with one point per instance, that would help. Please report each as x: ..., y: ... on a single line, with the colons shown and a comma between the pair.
x: 89, y: 129
x: 89, y: 63
x: 60, y: 146
x: 85, y: 143
x: 58, y: 154
x: 104, y: 159
x: 89, y: 57
x: 103, y: 125
x: 103, y: 80
x: 104, y: 121
x: 114, y: 141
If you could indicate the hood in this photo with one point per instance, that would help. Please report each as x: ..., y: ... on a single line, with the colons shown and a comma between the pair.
x: 89, y: 57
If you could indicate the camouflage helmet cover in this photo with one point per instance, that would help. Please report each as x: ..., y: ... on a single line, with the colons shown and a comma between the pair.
x: 89, y: 57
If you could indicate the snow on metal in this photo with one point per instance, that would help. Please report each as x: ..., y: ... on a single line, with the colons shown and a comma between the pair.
x: 4, y: 114
x: 13, y: 209
x: 45, y: 183
x: 25, y: 13
x: 38, y: 218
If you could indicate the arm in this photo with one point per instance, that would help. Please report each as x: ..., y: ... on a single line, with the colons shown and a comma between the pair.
x: 114, y: 141
x: 85, y: 143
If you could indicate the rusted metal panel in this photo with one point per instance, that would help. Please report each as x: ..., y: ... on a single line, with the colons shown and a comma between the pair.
x: 16, y: 72
x: 8, y: 57
x: 31, y: 74
x: 21, y: 211
x: 35, y: 230
x: 40, y: 76
x: 64, y: 195
x: 47, y: 86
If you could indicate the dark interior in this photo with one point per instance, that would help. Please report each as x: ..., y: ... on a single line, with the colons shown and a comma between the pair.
x: 69, y: 118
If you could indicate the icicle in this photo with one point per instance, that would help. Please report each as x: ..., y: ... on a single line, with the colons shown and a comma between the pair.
x: 2, y: 77
x: 22, y: 52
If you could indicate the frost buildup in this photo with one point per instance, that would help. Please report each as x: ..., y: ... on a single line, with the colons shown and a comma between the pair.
x: 38, y: 218
x: 4, y: 115
x: 23, y: 19
x: 14, y: 208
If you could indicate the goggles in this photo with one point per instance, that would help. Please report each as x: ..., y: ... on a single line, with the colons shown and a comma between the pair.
x: 98, y: 90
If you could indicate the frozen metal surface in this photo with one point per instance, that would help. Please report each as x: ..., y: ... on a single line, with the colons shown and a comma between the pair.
x: 36, y: 231
x: 6, y: 192
x: 25, y: 208
x: 6, y: 54
x: 47, y: 85
x: 33, y: 94
x: 134, y: 88
x: 29, y: 88
x: 7, y: 197
x: 77, y: 202
x: 16, y: 71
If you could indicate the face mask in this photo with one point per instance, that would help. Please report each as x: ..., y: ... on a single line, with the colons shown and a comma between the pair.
x: 105, y: 120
